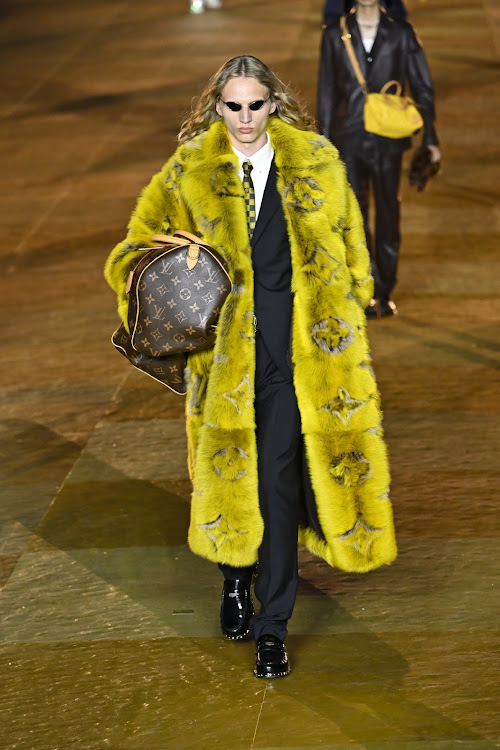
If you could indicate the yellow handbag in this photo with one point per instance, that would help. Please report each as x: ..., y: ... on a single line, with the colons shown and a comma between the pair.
x: 389, y: 115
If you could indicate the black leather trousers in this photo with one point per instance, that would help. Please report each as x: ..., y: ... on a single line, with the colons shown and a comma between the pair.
x: 373, y: 167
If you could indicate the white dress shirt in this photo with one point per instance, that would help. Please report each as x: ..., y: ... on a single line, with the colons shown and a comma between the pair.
x: 367, y: 43
x: 261, y: 163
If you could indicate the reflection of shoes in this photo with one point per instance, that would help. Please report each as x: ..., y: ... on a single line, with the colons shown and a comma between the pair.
x: 196, y: 6
x: 213, y: 3
x: 373, y: 309
x: 271, y: 658
x: 236, y: 609
x: 387, y: 307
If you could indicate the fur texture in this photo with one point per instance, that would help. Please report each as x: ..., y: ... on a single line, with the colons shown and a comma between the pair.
x: 199, y: 190
x: 422, y: 168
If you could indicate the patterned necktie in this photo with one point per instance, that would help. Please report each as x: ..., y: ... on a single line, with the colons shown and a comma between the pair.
x: 249, y: 196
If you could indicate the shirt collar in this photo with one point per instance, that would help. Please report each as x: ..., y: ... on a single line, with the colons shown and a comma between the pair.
x: 261, y: 157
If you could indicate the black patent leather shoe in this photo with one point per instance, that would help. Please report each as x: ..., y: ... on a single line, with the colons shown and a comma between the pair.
x: 236, y: 609
x: 271, y: 658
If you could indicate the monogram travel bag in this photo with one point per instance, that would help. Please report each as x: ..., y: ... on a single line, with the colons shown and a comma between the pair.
x: 176, y: 292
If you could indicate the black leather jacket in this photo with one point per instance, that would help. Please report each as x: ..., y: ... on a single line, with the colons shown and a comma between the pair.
x: 396, y: 55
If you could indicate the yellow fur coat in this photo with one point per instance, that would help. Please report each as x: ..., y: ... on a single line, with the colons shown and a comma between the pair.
x: 199, y: 190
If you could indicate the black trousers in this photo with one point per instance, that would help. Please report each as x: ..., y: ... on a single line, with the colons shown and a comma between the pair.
x: 372, y: 166
x: 279, y: 447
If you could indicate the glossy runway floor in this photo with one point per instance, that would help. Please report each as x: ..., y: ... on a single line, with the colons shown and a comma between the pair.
x: 108, y: 624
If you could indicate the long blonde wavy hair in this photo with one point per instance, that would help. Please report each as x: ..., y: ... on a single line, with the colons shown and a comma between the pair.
x: 204, y: 113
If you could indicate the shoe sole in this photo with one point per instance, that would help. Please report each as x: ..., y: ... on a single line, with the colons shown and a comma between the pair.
x: 242, y: 637
x: 269, y: 676
x: 238, y: 636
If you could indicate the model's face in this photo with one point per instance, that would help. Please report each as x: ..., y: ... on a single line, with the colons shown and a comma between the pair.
x: 247, y: 127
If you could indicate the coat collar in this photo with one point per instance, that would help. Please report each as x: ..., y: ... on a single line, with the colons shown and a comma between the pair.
x: 293, y: 148
x: 214, y: 191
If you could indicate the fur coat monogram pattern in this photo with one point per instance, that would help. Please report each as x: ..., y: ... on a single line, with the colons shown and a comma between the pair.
x: 199, y: 190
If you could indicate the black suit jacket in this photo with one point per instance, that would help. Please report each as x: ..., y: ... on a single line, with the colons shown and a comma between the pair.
x: 396, y: 55
x: 272, y: 264
x: 272, y: 267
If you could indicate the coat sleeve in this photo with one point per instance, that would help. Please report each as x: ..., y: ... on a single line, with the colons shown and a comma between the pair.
x: 421, y: 87
x: 326, y: 84
x: 357, y: 256
x: 156, y: 211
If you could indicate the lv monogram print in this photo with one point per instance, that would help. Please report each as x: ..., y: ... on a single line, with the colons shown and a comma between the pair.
x: 167, y: 370
x: 249, y: 196
x: 173, y: 308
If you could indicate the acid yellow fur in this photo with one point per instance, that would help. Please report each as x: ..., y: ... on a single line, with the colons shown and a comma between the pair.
x: 199, y: 190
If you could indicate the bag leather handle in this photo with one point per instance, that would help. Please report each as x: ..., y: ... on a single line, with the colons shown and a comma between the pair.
x: 179, y: 238
x: 188, y: 236
x: 388, y: 85
x: 405, y: 101
x: 166, y: 239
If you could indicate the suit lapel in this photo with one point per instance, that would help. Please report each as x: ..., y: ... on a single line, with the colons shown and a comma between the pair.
x: 271, y: 202
x: 359, y: 49
x: 357, y: 43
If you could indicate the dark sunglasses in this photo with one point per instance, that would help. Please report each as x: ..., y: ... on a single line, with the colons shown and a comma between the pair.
x: 254, y: 106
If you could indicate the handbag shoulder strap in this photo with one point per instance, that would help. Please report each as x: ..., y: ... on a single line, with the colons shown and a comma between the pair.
x: 346, y: 38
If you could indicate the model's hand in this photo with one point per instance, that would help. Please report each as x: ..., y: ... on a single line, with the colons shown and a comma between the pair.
x: 435, y: 153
